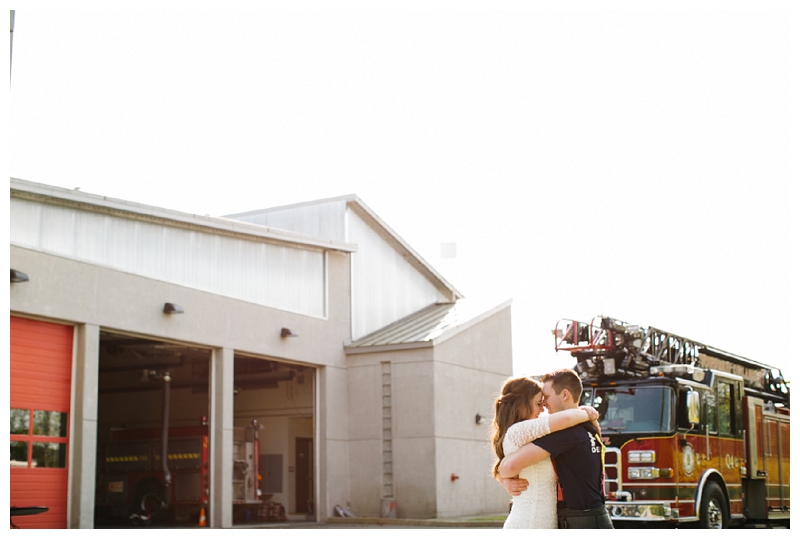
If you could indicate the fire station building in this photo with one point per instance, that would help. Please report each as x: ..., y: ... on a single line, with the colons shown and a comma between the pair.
x: 285, y: 363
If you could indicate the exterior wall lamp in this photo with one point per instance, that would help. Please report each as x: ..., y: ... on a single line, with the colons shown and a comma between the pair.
x: 286, y: 332
x: 18, y: 277
x: 479, y: 419
x: 172, y: 308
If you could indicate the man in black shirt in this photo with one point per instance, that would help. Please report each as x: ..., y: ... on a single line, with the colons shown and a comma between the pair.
x: 577, y: 453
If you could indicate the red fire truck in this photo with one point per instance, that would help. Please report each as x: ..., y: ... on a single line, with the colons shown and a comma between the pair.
x: 693, y: 433
x: 134, y: 484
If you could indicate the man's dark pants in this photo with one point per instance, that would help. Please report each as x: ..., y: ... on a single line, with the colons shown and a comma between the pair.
x: 584, y: 519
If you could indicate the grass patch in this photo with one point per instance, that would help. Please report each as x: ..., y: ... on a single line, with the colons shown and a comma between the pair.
x: 490, y: 518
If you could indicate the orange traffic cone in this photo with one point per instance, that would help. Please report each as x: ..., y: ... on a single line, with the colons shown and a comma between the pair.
x: 202, y: 523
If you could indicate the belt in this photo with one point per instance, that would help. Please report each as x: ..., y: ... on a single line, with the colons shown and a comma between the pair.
x: 596, y: 512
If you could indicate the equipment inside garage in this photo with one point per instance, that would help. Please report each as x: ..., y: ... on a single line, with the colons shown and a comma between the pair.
x: 148, y: 388
x: 278, y: 399
x: 153, y: 436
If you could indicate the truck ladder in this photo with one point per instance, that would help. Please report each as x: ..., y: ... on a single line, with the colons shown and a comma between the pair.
x: 635, y: 349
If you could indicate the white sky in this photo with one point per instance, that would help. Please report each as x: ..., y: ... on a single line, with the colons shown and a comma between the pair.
x: 629, y: 162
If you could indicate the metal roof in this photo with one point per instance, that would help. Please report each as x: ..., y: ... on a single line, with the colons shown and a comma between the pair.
x: 424, y: 327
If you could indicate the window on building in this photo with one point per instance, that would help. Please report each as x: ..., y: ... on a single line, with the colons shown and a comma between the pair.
x: 38, y: 439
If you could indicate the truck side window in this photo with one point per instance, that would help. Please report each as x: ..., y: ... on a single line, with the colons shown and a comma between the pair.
x: 710, y: 405
x: 682, y: 411
x: 737, y: 402
x: 725, y: 400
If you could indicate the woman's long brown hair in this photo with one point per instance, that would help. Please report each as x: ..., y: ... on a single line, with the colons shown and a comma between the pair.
x: 512, y: 406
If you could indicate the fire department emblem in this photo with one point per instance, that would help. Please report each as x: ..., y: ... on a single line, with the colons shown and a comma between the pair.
x: 688, y: 460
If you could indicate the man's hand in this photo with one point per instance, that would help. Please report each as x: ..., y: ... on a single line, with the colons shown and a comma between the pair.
x: 593, y: 414
x: 514, y: 485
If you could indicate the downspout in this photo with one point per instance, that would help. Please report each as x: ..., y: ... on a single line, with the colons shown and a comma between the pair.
x: 164, y: 443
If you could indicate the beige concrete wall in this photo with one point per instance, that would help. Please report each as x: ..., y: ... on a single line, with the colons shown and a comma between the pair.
x: 475, y: 491
x: 221, y: 438
x: 412, y: 432
x: 436, y: 393
x: 84, y: 425
x: 333, y: 449
x: 470, y: 368
x: 414, y: 444
x: 66, y: 290
x: 365, y: 467
x: 415, y: 473
x: 364, y: 435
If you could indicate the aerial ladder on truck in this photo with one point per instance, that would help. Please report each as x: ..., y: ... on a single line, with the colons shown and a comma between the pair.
x: 693, y: 433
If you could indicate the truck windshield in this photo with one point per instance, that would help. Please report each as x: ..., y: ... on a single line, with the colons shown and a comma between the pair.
x: 633, y: 409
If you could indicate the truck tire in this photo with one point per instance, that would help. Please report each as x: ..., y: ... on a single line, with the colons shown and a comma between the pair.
x: 713, y: 508
x: 147, y: 501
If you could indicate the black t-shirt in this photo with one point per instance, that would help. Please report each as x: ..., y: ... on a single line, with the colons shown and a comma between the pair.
x: 577, y: 452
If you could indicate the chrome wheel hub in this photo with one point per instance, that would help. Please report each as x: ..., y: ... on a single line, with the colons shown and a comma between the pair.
x: 714, y: 515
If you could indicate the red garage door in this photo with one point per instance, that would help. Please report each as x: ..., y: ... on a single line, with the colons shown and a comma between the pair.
x: 41, y: 375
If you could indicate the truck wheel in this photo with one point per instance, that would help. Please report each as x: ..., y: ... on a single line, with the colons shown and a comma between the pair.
x: 713, y: 508
x: 147, y: 501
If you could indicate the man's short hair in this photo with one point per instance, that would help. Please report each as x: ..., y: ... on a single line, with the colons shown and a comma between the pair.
x: 565, y: 379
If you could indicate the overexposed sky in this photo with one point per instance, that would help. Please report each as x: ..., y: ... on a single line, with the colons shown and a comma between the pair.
x: 628, y: 162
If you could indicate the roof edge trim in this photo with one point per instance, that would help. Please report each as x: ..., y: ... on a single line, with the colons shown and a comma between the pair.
x: 343, y: 198
x: 408, y: 253
x: 69, y: 197
x: 379, y: 348
x: 451, y: 332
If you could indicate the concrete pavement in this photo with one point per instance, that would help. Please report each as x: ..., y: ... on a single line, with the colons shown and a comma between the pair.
x: 475, y: 521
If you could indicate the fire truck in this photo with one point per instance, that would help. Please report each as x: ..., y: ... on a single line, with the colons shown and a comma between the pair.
x: 693, y: 434
x: 134, y: 483
x: 153, y: 474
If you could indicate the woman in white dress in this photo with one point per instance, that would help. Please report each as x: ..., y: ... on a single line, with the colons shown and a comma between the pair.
x: 516, y: 423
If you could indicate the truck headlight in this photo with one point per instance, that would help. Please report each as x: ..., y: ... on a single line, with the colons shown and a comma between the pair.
x: 644, y: 457
x: 649, y: 473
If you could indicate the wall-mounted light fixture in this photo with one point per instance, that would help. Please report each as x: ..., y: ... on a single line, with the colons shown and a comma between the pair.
x: 18, y: 277
x: 479, y: 419
x: 286, y: 332
x: 172, y: 308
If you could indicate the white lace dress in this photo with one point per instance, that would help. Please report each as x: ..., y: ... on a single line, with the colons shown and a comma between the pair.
x: 536, y: 506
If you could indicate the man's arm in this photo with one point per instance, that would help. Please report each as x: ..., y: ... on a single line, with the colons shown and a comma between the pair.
x: 520, y: 459
x: 569, y: 418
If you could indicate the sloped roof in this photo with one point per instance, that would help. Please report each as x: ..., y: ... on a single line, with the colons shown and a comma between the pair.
x: 382, y: 229
x: 427, y: 327
x: 394, y: 239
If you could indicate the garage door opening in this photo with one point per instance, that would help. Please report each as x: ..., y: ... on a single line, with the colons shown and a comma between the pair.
x: 273, y: 404
x: 148, y: 389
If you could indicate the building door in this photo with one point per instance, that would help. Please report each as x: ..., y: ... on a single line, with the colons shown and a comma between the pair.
x: 40, y: 386
x: 304, y: 489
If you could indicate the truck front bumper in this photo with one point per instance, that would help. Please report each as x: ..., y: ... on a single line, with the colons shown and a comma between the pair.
x: 649, y: 511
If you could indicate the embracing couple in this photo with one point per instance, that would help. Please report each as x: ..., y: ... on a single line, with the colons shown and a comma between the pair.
x: 551, y: 463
